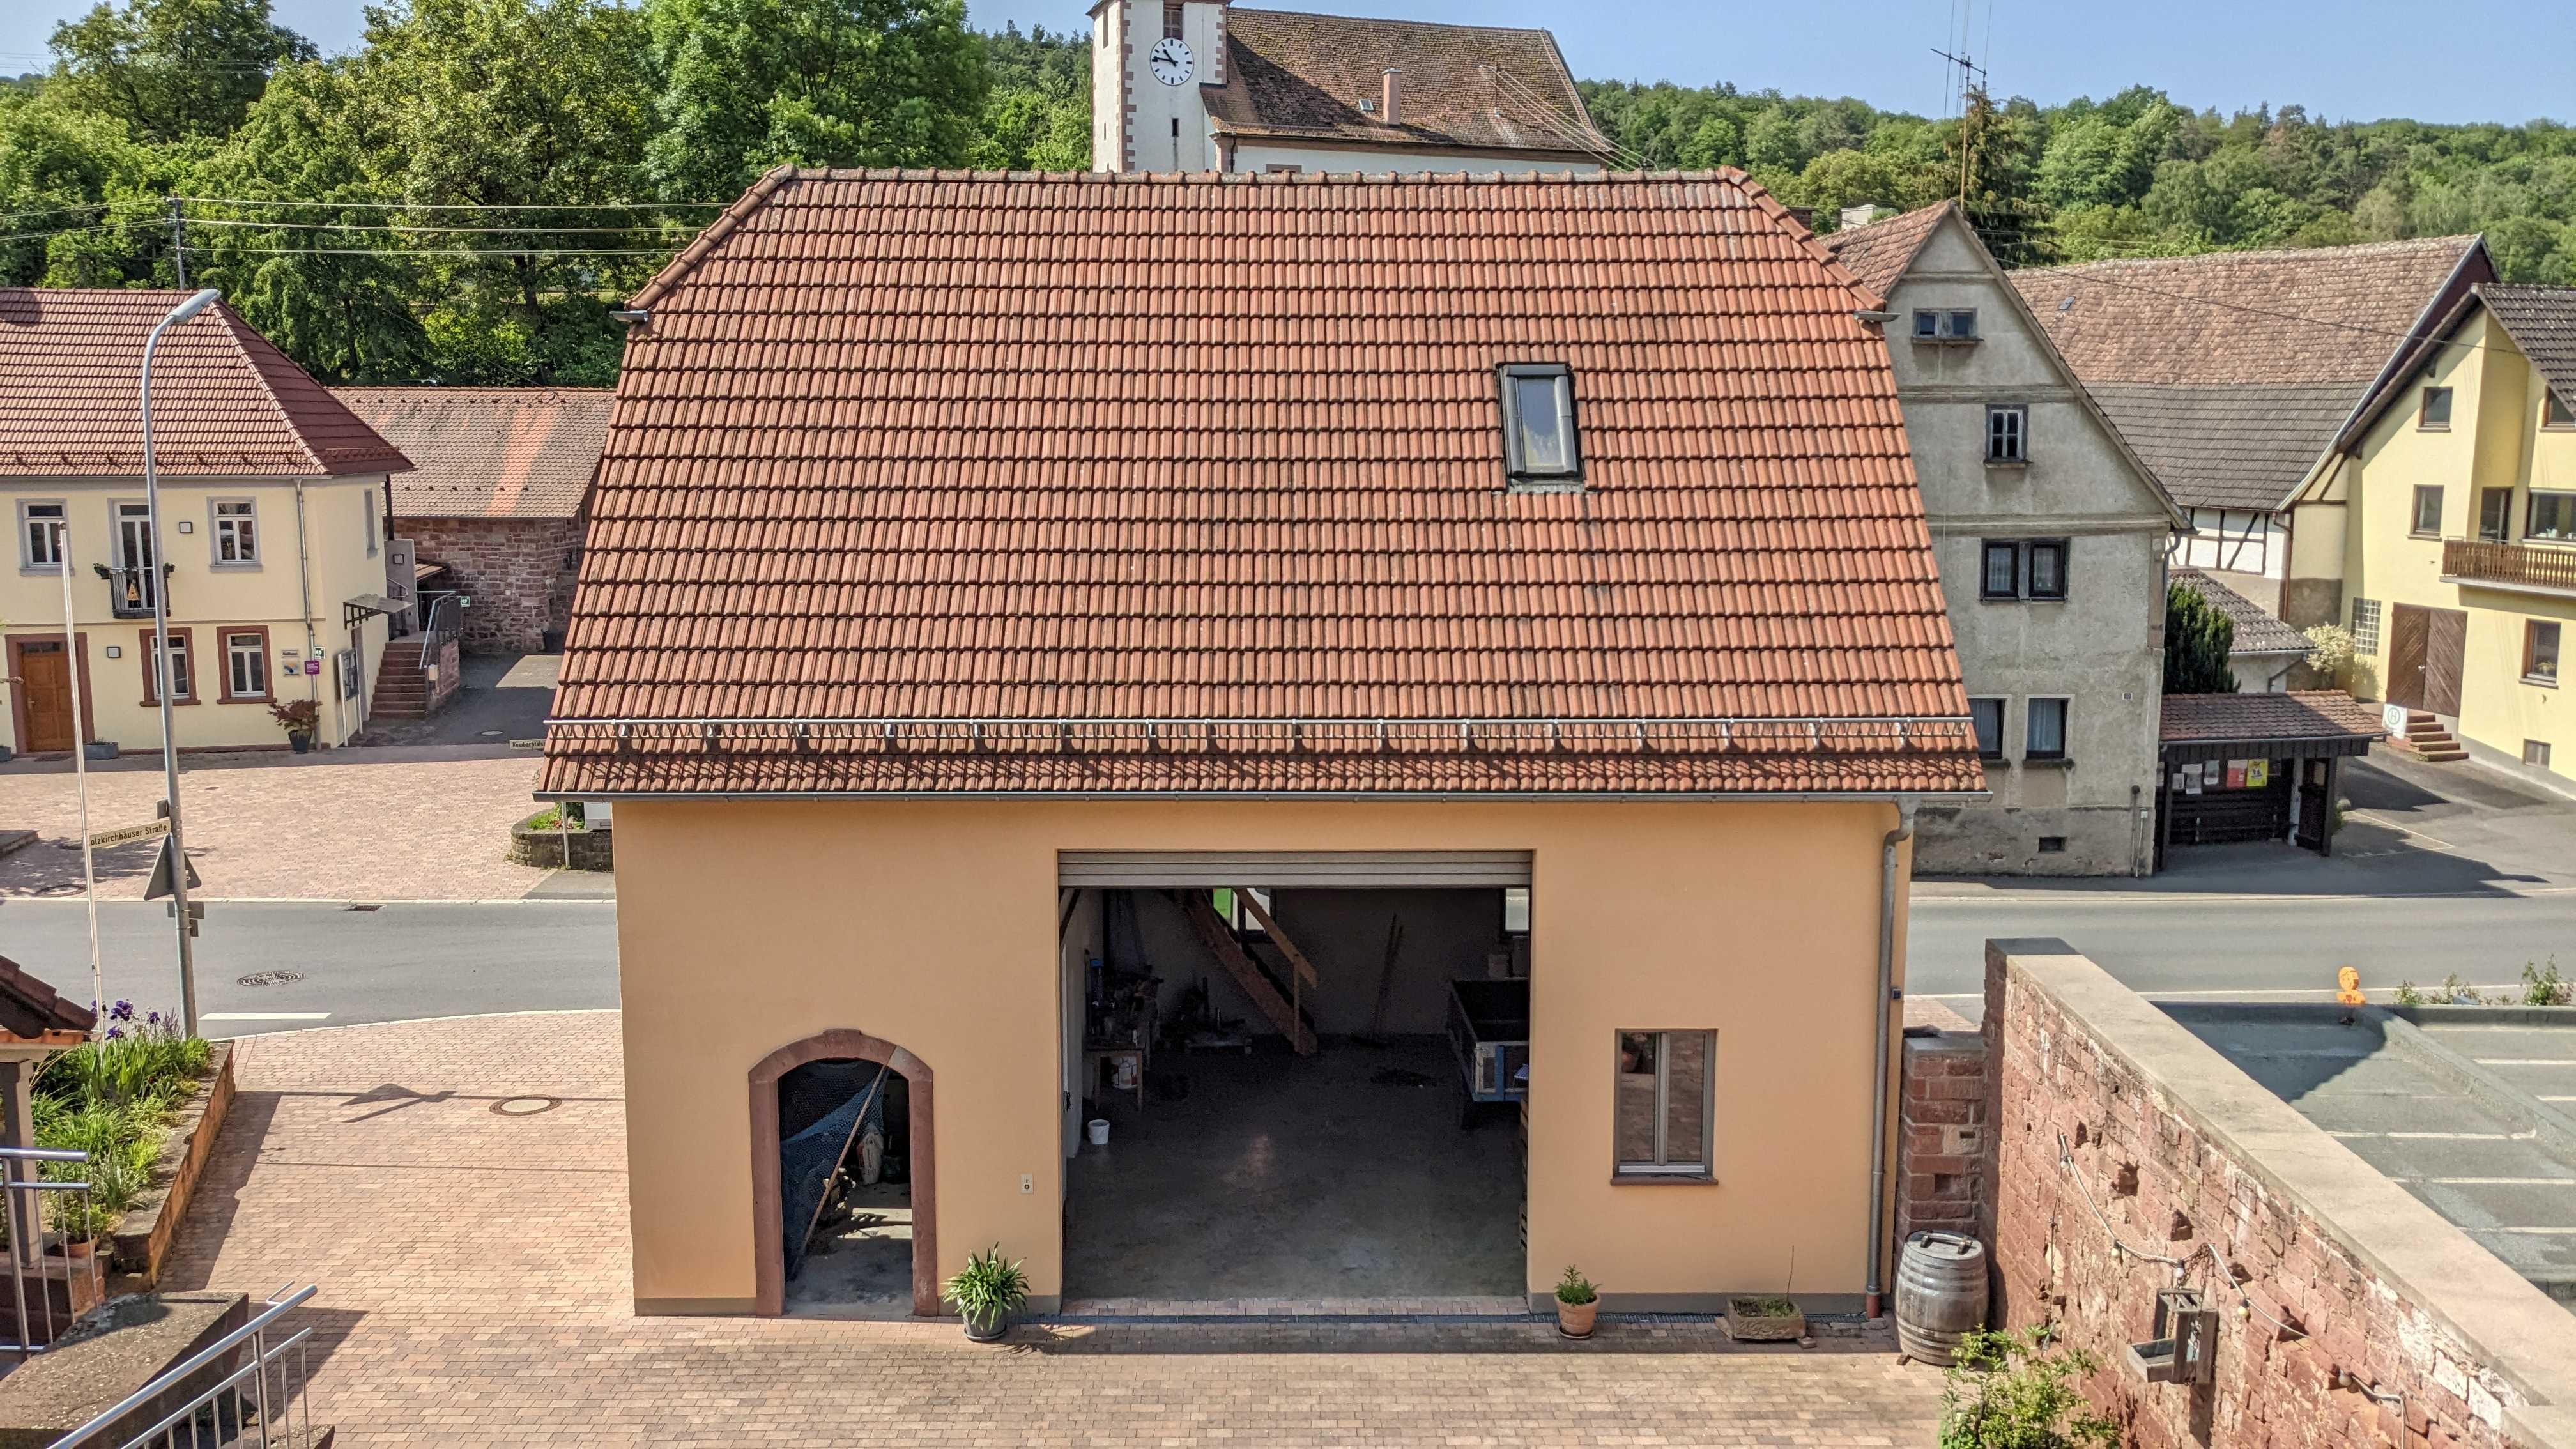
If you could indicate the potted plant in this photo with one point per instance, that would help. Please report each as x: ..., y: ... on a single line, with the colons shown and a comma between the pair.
x: 987, y: 1291
x: 301, y: 718
x: 1578, y: 1301
x: 79, y: 1222
x: 1765, y: 1320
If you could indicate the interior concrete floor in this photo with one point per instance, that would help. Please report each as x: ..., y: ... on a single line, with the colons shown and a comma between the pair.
x: 861, y: 1265
x: 1341, y: 1175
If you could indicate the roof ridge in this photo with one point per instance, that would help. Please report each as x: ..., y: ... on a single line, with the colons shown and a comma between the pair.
x: 2462, y: 239
x: 459, y: 389
x: 726, y: 223
x: 1805, y: 235
x: 1390, y: 20
x: 1308, y: 178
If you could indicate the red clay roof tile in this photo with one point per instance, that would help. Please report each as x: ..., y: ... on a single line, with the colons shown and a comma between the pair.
x: 985, y: 448
x: 489, y: 452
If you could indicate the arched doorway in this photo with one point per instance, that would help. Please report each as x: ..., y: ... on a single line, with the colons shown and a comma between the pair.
x: 769, y: 1232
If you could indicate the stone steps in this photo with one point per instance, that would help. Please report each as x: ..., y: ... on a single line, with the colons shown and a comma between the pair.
x: 2425, y: 739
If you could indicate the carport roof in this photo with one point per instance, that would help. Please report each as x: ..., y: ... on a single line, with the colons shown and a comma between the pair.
x: 2300, y: 723
x: 983, y: 483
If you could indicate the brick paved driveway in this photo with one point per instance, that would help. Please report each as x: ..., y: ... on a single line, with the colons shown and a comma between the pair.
x: 473, y: 1271
x: 364, y: 825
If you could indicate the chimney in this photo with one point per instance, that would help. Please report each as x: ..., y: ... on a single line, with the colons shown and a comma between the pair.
x: 1864, y: 214
x: 1391, y: 97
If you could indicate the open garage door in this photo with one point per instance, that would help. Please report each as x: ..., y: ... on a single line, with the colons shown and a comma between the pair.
x: 1296, y: 869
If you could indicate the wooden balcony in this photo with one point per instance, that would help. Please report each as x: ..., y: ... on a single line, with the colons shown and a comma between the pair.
x: 2509, y: 565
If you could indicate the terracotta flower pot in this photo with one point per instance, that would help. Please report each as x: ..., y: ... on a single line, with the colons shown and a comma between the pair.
x: 1574, y: 1320
x: 80, y: 1249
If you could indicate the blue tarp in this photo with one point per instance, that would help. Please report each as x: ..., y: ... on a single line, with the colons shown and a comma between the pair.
x: 806, y: 1161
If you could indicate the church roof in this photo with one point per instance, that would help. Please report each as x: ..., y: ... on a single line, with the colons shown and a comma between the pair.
x: 1474, y: 88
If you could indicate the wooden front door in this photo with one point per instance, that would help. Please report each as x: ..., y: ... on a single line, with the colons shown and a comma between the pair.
x: 2446, y: 648
x: 44, y: 670
x: 2409, y: 629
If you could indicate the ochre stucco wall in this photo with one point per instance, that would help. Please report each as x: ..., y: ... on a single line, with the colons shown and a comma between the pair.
x: 744, y: 926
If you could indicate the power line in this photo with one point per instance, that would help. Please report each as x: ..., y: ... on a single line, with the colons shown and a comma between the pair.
x: 429, y: 228
x: 80, y: 230
x: 447, y: 205
x: 394, y: 254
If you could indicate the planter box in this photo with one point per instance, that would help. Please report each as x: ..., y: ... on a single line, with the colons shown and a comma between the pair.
x: 592, y: 848
x: 1745, y: 1324
x: 141, y: 1241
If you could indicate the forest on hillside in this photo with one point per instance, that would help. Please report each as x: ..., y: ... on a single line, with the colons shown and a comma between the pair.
x: 465, y: 196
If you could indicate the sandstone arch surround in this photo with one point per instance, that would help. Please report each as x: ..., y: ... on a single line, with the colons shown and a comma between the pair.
x: 768, y: 1233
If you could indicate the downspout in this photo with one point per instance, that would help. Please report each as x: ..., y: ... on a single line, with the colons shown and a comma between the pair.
x: 304, y: 584
x: 1881, y: 1010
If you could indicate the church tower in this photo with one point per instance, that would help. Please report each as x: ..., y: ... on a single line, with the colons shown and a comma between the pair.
x: 1148, y: 60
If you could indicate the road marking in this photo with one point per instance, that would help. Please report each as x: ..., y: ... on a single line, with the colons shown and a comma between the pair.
x: 2400, y: 829
x: 2525, y: 1061
x: 2554, y: 1232
x: 2435, y: 1136
x: 2494, y: 1181
x: 263, y: 1016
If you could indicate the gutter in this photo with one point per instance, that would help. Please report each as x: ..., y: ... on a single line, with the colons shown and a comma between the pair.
x: 1881, y: 1007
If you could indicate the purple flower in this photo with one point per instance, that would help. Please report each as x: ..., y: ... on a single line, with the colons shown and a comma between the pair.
x: 123, y: 1010
x: 153, y: 1019
x: 114, y: 1032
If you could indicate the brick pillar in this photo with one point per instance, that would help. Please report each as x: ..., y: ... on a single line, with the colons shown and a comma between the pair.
x: 1943, y: 1136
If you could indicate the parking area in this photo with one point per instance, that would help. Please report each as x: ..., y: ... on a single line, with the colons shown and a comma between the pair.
x: 2466, y: 1107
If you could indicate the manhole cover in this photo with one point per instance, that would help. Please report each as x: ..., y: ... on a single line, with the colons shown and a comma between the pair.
x: 525, y: 1106
x: 270, y: 978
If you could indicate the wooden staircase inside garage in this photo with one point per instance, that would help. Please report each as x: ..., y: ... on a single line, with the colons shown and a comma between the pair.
x: 2425, y: 739
x: 1283, y: 1003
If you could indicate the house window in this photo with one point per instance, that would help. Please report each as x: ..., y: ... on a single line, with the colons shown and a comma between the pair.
x: 1664, y: 1103
x: 183, y: 678
x: 2436, y: 411
x: 2554, y: 412
x: 2046, y: 735
x: 1540, y: 441
x: 246, y: 665
x: 2428, y: 511
x: 1172, y: 16
x: 2540, y: 651
x: 1989, y: 715
x: 40, y: 536
x: 236, y: 533
x: 2552, y: 516
x: 2365, y: 626
x: 2008, y: 435
x: 1957, y: 324
x: 2033, y: 568
x: 372, y: 529
x: 2495, y: 514
x: 2536, y: 752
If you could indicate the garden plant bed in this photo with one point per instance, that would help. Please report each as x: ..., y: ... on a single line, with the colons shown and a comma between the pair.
x: 141, y: 1240
x: 542, y: 840
x: 1764, y: 1320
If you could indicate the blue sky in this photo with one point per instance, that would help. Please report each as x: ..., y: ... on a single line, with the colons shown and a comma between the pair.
x: 2460, y: 60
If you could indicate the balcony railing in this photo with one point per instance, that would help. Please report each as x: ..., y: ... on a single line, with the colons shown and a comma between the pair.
x: 2509, y: 565
x: 129, y: 589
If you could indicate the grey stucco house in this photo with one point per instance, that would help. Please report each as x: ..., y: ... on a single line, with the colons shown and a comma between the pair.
x: 2051, y: 535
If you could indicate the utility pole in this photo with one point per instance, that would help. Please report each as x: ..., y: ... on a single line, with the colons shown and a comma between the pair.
x: 179, y: 242
x: 176, y: 844
x: 1972, y: 89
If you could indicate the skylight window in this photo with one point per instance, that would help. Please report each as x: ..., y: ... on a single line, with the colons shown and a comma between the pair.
x: 1542, y: 446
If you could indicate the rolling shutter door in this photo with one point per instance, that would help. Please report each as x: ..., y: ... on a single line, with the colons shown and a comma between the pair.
x: 1386, y: 869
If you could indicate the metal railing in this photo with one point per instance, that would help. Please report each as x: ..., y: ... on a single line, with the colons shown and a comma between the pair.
x: 438, y: 625
x: 34, y: 1253
x: 239, y: 1407
x: 129, y: 588
x: 2511, y: 564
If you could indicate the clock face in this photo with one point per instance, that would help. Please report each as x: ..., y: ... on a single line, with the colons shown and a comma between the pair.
x: 1171, y: 61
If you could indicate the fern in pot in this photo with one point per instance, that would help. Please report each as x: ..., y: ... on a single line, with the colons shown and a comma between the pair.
x: 987, y: 1291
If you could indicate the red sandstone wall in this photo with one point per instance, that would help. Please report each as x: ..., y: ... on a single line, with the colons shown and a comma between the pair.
x: 1943, y: 1136
x: 2168, y: 1189
x: 513, y: 569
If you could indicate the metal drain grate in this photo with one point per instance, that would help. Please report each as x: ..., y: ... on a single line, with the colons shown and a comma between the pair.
x: 269, y: 978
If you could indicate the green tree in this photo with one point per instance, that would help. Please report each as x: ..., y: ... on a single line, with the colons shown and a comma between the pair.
x: 746, y: 85
x: 171, y: 69
x: 79, y: 196
x: 1037, y: 113
x: 2198, y: 638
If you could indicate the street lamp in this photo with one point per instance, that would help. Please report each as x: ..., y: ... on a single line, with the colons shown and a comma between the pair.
x: 161, y: 659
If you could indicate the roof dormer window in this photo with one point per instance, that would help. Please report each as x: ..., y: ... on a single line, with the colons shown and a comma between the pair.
x: 1541, y: 444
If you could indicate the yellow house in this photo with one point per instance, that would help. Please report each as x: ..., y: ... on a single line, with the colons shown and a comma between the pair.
x: 1258, y: 741
x: 2449, y: 514
x: 272, y: 547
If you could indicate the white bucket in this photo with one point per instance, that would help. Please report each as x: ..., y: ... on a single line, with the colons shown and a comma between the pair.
x: 1099, y: 1130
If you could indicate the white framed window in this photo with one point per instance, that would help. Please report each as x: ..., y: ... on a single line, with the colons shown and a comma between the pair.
x: 1945, y: 324
x: 2008, y: 434
x: 1543, y: 448
x: 2435, y: 411
x: 40, y: 534
x: 373, y: 532
x: 2365, y: 626
x: 236, y: 529
x: 2540, y: 651
x: 245, y: 664
x: 2551, y: 516
x: 1665, y: 1103
x: 183, y: 678
x: 2023, y: 568
x: 2428, y: 511
x: 2044, y: 733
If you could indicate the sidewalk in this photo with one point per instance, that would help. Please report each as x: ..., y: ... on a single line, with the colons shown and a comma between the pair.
x: 458, y: 1190
x: 356, y: 824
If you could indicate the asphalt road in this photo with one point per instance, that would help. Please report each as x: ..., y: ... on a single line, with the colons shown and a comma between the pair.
x: 400, y: 961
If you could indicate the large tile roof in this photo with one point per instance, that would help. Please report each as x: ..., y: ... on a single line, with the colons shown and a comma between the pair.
x: 1879, y: 252
x: 2221, y: 368
x: 489, y: 452
x: 2542, y: 322
x: 2258, y: 630
x: 1292, y: 76
x: 937, y: 461
x: 2299, y: 714
x: 224, y: 399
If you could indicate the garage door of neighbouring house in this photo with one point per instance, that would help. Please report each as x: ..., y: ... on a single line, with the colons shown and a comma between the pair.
x: 2426, y: 649
x: 1383, y: 869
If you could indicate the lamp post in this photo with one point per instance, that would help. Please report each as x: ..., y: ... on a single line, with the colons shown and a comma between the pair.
x: 161, y: 661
